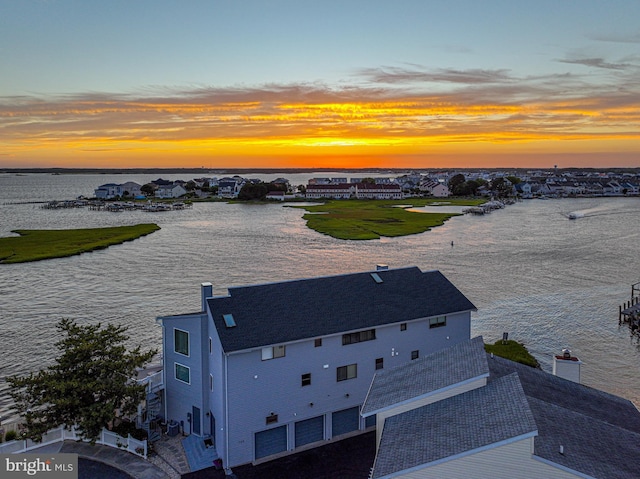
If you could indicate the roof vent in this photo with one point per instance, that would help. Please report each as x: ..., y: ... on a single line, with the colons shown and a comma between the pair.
x: 229, y: 321
x: 566, y: 353
x: 382, y: 267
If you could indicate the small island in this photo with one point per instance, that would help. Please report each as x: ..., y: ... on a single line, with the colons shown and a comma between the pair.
x: 37, y: 245
x: 371, y: 219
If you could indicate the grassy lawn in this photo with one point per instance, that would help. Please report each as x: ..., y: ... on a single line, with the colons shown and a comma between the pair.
x: 36, y: 245
x: 512, y: 350
x: 371, y: 219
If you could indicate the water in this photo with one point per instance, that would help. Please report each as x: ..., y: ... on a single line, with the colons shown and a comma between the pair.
x: 549, y: 281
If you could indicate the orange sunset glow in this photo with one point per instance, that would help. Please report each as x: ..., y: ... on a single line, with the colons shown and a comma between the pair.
x: 236, y: 84
x: 205, y: 129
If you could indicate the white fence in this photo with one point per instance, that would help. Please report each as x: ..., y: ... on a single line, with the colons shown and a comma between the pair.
x: 107, y: 438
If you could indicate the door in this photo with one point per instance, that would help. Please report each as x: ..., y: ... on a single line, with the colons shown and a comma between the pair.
x: 271, y: 441
x: 345, y: 421
x: 309, y: 430
x: 195, y: 418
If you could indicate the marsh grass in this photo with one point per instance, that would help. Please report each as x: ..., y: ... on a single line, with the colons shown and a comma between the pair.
x: 371, y: 219
x: 36, y: 245
x: 512, y: 350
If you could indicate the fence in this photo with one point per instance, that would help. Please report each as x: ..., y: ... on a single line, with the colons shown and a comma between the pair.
x: 59, y: 434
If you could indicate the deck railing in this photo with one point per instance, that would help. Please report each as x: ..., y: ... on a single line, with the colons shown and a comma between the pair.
x: 59, y: 434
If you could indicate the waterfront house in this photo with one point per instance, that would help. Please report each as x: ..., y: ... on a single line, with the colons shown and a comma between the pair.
x: 230, y: 187
x: 269, y: 369
x: 275, y: 195
x: 130, y: 189
x: 434, y: 188
x: 462, y: 413
x: 321, y: 190
x: 107, y: 191
x: 378, y: 191
x: 173, y: 190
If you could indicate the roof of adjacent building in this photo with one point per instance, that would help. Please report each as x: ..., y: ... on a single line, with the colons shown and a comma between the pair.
x: 599, y: 432
x: 278, y: 313
x: 394, y: 386
x: 439, y: 430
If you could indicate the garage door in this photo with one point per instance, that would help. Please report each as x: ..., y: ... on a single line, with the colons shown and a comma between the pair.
x: 271, y: 441
x: 309, y: 430
x: 345, y: 421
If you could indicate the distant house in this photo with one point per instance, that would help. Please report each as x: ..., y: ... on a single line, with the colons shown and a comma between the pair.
x: 230, y: 187
x: 107, y: 191
x: 269, y: 369
x: 173, y: 190
x: 378, y: 191
x: 354, y: 190
x: 130, y: 188
x: 275, y: 195
x: 435, y: 188
x: 460, y: 413
x: 338, y: 192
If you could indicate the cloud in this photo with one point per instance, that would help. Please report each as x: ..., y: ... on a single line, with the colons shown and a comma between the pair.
x: 598, y: 63
x: 407, y: 105
x: 617, y: 37
x: 392, y: 75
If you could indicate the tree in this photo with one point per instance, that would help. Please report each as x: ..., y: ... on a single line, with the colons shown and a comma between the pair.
x: 87, y: 384
x: 253, y: 191
x: 457, y: 185
x: 148, y: 189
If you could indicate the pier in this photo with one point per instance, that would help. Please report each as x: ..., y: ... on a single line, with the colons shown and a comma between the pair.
x: 118, y: 206
x: 629, y: 312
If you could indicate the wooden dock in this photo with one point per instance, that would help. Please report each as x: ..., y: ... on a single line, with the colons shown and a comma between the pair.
x: 629, y: 312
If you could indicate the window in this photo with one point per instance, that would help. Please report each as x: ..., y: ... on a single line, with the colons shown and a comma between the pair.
x: 272, y: 418
x: 415, y: 354
x: 360, y: 336
x: 210, y: 346
x: 347, y: 372
x: 273, y: 352
x: 183, y: 373
x: 438, y: 322
x: 403, y: 327
x: 306, y: 379
x: 318, y: 342
x: 181, y: 341
x: 211, y: 382
x: 379, y: 363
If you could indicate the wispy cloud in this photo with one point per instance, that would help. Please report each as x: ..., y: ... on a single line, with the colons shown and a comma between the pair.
x: 392, y: 75
x: 407, y: 105
x: 598, y: 63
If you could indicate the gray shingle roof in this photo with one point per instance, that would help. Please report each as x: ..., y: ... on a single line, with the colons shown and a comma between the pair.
x: 599, y: 432
x: 426, y: 375
x: 277, y: 313
x: 496, y: 412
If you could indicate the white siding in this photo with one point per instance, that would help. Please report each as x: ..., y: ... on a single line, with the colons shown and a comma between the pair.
x: 505, y: 462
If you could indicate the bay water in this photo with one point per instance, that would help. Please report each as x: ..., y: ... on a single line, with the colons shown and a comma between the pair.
x: 548, y: 281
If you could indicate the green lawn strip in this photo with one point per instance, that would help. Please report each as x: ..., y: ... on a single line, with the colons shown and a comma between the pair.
x: 371, y: 219
x: 514, y: 351
x: 36, y: 245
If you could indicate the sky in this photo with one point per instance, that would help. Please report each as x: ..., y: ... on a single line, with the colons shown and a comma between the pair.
x: 319, y: 84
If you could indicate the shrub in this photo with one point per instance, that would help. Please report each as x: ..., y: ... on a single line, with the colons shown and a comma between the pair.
x: 10, y: 436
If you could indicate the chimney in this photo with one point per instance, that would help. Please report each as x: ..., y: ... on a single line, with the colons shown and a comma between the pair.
x: 567, y: 366
x: 207, y: 292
